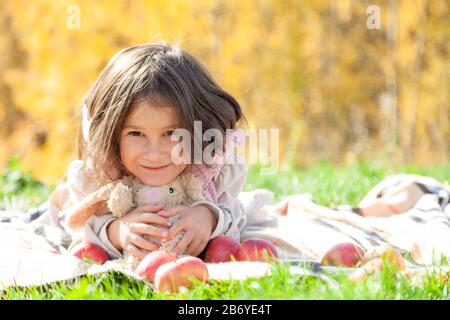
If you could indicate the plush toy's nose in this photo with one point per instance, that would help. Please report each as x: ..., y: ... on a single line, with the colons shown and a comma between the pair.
x: 153, y: 195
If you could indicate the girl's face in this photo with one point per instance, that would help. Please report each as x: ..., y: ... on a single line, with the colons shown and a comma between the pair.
x: 146, y: 145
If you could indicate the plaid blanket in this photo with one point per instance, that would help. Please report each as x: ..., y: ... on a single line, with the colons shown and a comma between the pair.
x: 309, y: 230
x: 33, y: 254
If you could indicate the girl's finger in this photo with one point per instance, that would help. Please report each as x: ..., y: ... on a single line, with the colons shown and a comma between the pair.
x: 201, y: 247
x: 150, y: 208
x: 142, y: 243
x: 179, y: 225
x: 148, y: 229
x: 153, y: 218
x: 134, y: 251
x: 170, y: 211
x: 193, y: 247
x: 184, y: 242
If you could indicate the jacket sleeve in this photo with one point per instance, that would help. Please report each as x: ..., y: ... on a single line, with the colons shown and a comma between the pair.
x: 229, y: 210
x: 95, y: 232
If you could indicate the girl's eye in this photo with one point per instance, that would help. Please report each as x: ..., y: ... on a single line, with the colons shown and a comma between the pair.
x: 135, y: 133
x: 168, y: 133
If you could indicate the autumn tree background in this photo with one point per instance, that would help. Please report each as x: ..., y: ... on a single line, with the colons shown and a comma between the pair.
x: 336, y: 88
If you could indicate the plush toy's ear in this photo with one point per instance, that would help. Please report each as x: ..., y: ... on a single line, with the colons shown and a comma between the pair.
x: 183, y: 179
x: 93, y: 204
x: 121, y: 200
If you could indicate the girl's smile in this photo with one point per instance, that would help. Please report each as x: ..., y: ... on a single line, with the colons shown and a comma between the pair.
x: 156, y: 168
x: 146, y: 144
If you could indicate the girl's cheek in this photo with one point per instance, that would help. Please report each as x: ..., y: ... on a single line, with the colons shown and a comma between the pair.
x: 134, y: 144
x: 168, y: 146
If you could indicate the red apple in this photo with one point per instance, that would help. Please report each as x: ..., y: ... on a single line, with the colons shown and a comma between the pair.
x: 376, y: 258
x: 172, y: 275
x: 92, y: 253
x: 343, y: 255
x: 366, y: 269
x: 256, y: 250
x: 151, y: 262
x: 221, y: 249
x: 388, y: 254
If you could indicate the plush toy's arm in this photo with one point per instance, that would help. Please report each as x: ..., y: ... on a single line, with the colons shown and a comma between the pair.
x: 93, y: 204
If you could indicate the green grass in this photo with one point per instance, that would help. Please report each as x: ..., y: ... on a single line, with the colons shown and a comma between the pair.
x: 329, y: 185
x: 279, y: 285
x: 18, y: 190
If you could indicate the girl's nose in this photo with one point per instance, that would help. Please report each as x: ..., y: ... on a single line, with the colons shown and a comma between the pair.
x: 153, y: 149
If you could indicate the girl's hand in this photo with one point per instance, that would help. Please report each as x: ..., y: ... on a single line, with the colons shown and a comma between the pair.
x: 198, y: 222
x: 126, y: 232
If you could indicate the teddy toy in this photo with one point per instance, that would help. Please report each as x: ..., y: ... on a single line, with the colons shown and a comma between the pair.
x: 123, y: 195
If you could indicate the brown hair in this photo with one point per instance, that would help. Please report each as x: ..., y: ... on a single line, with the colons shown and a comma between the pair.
x: 156, y: 70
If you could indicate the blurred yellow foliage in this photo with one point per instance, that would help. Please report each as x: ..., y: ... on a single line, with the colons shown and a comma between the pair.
x: 313, y: 69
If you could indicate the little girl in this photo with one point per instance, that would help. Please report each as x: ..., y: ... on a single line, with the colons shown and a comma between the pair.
x: 143, y: 95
